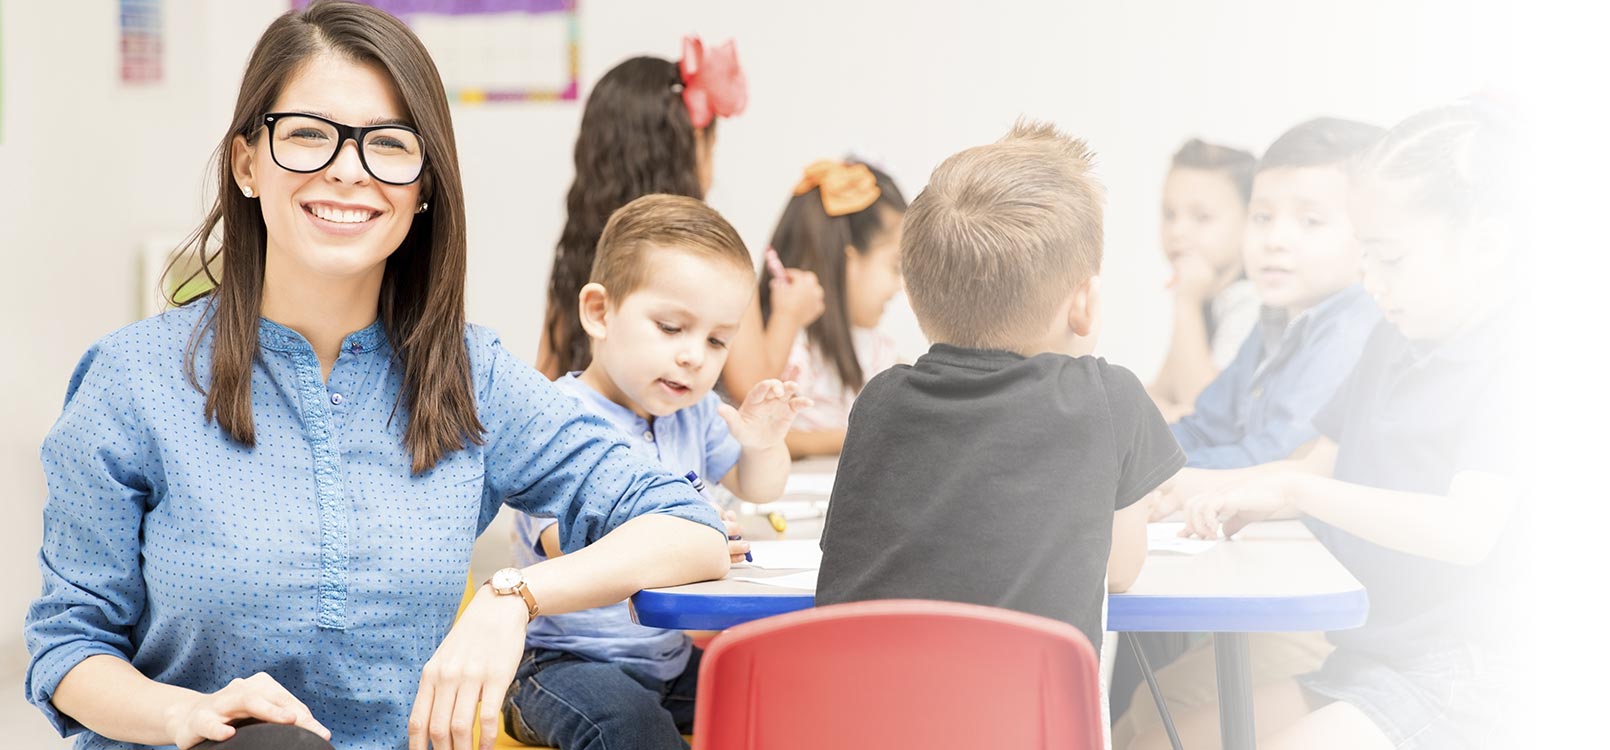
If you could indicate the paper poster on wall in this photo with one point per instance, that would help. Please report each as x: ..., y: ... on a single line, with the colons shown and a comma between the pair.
x: 2, y: 75
x: 496, y: 50
x: 140, y: 41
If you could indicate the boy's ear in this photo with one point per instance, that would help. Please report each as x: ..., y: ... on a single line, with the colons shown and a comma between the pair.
x: 241, y: 164
x: 1084, y: 315
x: 594, y: 306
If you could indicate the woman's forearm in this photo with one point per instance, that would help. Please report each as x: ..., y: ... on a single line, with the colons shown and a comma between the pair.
x: 110, y: 697
x: 649, y: 551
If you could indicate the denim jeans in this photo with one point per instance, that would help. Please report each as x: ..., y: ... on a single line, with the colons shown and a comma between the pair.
x: 572, y: 703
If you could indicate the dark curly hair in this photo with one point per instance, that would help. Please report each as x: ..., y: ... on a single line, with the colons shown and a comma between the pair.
x: 636, y: 139
x: 807, y: 238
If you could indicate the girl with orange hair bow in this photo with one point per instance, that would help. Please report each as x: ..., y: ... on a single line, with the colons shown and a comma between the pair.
x: 843, y: 226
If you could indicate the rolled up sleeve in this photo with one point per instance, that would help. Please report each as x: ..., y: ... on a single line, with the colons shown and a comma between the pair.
x: 95, y: 460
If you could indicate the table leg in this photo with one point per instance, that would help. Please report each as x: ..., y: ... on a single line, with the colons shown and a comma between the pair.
x: 1157, y: 692
x: 1232, y: 660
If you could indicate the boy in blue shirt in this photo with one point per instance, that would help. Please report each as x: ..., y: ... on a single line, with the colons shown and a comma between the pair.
x: 670, y: 284
x: 1300, y: 253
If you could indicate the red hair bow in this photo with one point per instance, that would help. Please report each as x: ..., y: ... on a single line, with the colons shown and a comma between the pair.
x: 712, y: 82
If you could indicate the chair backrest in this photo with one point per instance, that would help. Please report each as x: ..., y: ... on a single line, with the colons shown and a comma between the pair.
x: 897, y: 674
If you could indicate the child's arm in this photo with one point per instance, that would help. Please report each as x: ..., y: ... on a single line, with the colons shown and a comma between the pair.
x: 761, y: 348
x: 806, y: 443
x: 1128, y: 545
x: 1317, y: 458
x: 1188, y: 367
x: 760, y: 426
x: 1460, y: 527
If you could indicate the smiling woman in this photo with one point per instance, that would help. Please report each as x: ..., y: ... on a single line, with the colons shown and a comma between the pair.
x: 262, y: 503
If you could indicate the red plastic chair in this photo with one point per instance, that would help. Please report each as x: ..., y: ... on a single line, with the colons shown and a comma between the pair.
x: 899, y: 674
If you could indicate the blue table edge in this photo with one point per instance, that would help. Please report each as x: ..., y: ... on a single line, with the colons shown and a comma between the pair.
x: 1127, y: 613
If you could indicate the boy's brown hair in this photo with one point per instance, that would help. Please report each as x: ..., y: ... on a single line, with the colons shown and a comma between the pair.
x: 1000, y: 236
x: 661, y: 221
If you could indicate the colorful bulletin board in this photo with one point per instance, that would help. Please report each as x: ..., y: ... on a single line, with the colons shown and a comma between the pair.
x: 496, y: 50
x: 140, y: 41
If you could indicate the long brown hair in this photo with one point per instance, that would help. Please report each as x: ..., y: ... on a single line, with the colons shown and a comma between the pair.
x: 422, y: 293
x: 807, y: 238
x: 636, y: 139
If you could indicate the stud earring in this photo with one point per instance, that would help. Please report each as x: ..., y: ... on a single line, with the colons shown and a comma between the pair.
x: 246, y: 190
x: 422, y: 206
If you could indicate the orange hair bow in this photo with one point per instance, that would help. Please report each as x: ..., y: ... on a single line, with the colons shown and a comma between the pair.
x: 712, y: 83
x: 846, y: 188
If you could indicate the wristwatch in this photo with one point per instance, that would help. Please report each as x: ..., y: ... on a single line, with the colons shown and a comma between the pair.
x: 510, y: 581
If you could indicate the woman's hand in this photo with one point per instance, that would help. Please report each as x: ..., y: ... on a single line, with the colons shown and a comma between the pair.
x: 474, y: 666
x: 207, y: 717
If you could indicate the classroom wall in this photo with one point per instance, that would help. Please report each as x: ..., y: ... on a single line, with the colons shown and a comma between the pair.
x: 89, y: 169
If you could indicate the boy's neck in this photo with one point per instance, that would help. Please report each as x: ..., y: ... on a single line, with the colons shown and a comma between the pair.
x: 596, y: 378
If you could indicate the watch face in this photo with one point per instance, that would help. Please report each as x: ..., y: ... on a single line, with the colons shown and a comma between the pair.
x: 506, y: 579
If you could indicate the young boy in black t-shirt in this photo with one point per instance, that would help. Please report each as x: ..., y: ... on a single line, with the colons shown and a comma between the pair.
x: 1005, y: 466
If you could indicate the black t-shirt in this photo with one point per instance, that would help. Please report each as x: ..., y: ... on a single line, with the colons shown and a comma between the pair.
x: 991, y: 478
x: 1409, y: 418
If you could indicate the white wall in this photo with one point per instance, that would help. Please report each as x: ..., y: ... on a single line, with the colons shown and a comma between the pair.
x: 907, y: 83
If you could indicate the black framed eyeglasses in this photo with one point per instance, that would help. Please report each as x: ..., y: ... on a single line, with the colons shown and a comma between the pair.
x: 303, y: 143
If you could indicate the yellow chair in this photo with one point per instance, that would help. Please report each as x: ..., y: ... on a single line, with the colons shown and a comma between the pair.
x: 504, y: 741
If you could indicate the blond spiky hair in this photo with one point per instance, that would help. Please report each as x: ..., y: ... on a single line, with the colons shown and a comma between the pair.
x: 1001, y: 234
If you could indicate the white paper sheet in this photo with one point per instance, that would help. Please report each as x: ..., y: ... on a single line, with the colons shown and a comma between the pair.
x: 788, y: 553
x: 809, y: 484
x: 1164, y: 538
x: 804, y: 580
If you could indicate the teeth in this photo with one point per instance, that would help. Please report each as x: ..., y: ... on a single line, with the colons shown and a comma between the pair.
x: 338, y: 216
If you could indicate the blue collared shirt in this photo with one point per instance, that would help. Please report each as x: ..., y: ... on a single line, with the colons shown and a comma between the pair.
x: 1260, y: 408
x: 692, y: 439
x: 316, y: 556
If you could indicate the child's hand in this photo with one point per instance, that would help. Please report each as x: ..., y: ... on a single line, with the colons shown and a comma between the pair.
x: 1237, y: 506
x: 1193, y: 278
x: 800, y: 298
x: 768, y: 412
x: 737, y: 548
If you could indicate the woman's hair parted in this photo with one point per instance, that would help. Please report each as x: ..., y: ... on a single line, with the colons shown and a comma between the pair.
x: 422, y: 294
x: 1236, y: 165
x: 1000, y: 236
x: 808, y: 238
x: 662, y: 222
x: 635, y: 140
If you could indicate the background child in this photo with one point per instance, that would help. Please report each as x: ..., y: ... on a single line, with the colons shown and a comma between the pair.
x: 843, y: 224
x: 1415, y: 484
x: 1005, y: 467
x: 595, y: 678
x: 1303, y: 258
x: 1204, y: 211
x: 649, y: 127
